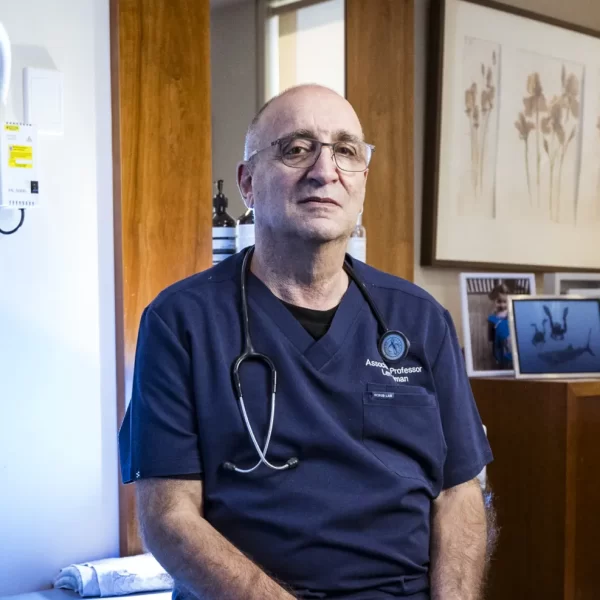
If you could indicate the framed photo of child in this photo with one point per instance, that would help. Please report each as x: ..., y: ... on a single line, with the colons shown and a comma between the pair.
x: 486, y: 328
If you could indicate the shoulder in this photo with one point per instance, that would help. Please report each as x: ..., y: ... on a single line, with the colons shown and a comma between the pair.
x: 196, y: 293
x: 398, y: 289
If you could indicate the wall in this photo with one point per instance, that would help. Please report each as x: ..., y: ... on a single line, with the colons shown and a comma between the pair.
x: 585, y: 13
x: 308, y: 46
x: 58, y: 461
x: 234, y: 91
x: 320, y: 45
x: 443, y: 283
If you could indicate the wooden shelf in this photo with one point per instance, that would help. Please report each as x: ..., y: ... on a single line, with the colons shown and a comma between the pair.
x: 545, y: 436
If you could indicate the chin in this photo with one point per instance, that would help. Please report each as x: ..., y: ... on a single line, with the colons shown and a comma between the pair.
x: 322, y: 230
x: 322, y: 234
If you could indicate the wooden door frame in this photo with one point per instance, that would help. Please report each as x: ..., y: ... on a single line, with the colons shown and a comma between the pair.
x: 380, y: 86
x: 160, y: 71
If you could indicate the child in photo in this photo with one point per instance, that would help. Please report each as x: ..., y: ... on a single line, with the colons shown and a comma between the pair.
x: 498, y: 329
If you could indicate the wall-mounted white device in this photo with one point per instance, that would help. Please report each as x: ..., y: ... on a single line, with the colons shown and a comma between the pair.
x: 43, y: 100
x: 19, y: 184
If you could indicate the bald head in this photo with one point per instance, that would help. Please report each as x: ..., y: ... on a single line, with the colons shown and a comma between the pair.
x: 293, y: 196
x: 260, y: 133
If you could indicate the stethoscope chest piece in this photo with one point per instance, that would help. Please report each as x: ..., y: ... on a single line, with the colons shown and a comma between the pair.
x: 393, y: 346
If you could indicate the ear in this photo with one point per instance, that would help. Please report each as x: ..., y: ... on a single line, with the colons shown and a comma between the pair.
x: 366, y: 173
x: 244, y: 182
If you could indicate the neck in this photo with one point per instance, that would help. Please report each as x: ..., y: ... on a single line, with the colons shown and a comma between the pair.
x: 300, y: 273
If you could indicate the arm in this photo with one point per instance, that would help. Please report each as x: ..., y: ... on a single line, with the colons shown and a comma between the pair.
x: 458, y: 543
x: 458, y: 517
x: 191, y: 550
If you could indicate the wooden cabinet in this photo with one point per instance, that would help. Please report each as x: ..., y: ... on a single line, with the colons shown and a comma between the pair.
x: 545, y: 436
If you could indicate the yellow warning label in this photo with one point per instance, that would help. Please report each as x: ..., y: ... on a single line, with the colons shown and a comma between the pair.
x: 11, y: 127
x: 20, y: 157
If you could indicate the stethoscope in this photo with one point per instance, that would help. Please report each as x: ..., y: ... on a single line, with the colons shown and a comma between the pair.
x: 393, y: 347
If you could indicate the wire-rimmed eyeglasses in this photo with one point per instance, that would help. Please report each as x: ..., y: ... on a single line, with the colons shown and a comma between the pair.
x: 301, y: 152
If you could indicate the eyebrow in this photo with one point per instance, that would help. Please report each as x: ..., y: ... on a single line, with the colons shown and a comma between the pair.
x: 345, y: 136
x: 341, y: 135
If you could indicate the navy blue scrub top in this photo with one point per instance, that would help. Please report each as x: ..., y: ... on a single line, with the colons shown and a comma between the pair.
x: 376, y: 445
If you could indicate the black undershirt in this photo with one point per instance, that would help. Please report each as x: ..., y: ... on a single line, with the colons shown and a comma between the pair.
x: 316, y: 322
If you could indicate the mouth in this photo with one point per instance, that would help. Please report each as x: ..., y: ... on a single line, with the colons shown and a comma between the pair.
x: 316, y: 200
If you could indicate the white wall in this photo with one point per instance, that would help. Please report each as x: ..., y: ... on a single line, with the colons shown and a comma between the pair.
x: 58, y: 460
x: 234, y: 91
x: 307, y: 45
x: 320, y: 45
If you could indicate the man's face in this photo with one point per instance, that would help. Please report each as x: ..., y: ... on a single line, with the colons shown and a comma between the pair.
x: 319, y: 203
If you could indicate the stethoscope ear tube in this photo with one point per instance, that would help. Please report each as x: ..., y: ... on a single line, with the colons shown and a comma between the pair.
x: 393, y: 345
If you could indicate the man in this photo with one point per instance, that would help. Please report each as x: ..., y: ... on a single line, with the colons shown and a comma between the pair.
x: 383, y: 500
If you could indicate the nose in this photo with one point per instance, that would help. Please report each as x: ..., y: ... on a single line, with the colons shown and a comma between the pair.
x: 324, y: 171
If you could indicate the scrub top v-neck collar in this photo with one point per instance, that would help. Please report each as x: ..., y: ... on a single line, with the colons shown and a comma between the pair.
x: 318, y: 352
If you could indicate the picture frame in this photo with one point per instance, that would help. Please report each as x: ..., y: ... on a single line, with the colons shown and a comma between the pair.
x: 587, y: 293
x: 568, y: 283
x: 513, y: 105
x: 569, y: 348
x: 486, y: 332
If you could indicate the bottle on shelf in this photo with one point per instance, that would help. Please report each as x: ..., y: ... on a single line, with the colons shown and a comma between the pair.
x: 245, y: 230
x: 223, y: 227
x: 357, y: 244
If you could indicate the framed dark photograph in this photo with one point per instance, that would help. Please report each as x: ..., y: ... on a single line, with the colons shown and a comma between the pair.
x: 555, y: 336
x: 574, y: 284
x: 511, y: 178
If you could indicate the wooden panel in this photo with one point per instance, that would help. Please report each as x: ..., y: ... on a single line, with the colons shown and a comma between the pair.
x: 379, y: 84
x: 585, y: 515
x: 527, y: 423
x: 163, y: 192
x: 570, y: 485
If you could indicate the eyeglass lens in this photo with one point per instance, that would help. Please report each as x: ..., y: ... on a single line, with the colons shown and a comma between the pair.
x: 304, y: 152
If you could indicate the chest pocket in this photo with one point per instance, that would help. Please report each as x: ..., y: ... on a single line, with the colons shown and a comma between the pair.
x: 402, y: 428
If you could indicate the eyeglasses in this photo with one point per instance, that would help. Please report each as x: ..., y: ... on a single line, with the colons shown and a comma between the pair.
x: 303, y: 152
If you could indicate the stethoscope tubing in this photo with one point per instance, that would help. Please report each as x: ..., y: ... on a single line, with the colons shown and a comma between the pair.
x: 250, y: 354
x: 261, y: 453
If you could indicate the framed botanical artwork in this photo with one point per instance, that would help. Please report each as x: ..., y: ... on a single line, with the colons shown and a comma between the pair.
x: 555, y: 336
x: 512, y: 176
x: 486, y: 333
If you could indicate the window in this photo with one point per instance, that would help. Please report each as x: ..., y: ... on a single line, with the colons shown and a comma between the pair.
x: 303, y: 43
